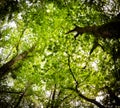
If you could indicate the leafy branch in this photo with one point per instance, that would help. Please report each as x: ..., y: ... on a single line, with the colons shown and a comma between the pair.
x: 8, y: 66
x: 76, y: 89
x: 108, y: 30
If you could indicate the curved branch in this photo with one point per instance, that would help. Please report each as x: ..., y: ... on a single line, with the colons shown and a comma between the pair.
x: 69, y: 65
x: 88, y: 99
x: 78, y: 92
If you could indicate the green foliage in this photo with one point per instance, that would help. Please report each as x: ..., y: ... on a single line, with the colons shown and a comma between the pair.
x: 57, y: 64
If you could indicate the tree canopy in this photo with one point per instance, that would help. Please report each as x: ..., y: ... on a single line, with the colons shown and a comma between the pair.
x: 59, y: 54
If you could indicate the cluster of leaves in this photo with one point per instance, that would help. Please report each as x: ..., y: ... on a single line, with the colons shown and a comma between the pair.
x: 42, y: 66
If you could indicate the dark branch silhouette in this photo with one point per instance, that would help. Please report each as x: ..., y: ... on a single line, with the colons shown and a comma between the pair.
x: 9, y: 92
x: 113, y: 96
x: 107, y: 30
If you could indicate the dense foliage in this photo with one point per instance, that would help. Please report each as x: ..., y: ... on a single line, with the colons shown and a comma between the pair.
x: 42, y: 65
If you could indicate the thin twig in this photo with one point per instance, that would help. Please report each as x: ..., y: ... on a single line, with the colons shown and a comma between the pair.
x: 69, y: 65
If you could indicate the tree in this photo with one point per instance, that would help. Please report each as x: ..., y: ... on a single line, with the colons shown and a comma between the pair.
x: 42, y: 66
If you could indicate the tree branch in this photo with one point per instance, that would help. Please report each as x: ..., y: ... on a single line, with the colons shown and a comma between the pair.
x: 53, y: 97
x: 88, y: 99
x: 21, y: 96
x: 14, y: 92
x: 78, y: 92
x: 8, y: 66
x: 69, y: 65
x: 107, y: 30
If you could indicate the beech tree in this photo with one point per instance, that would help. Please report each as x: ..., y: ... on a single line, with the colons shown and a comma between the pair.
x: 59, y: 53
